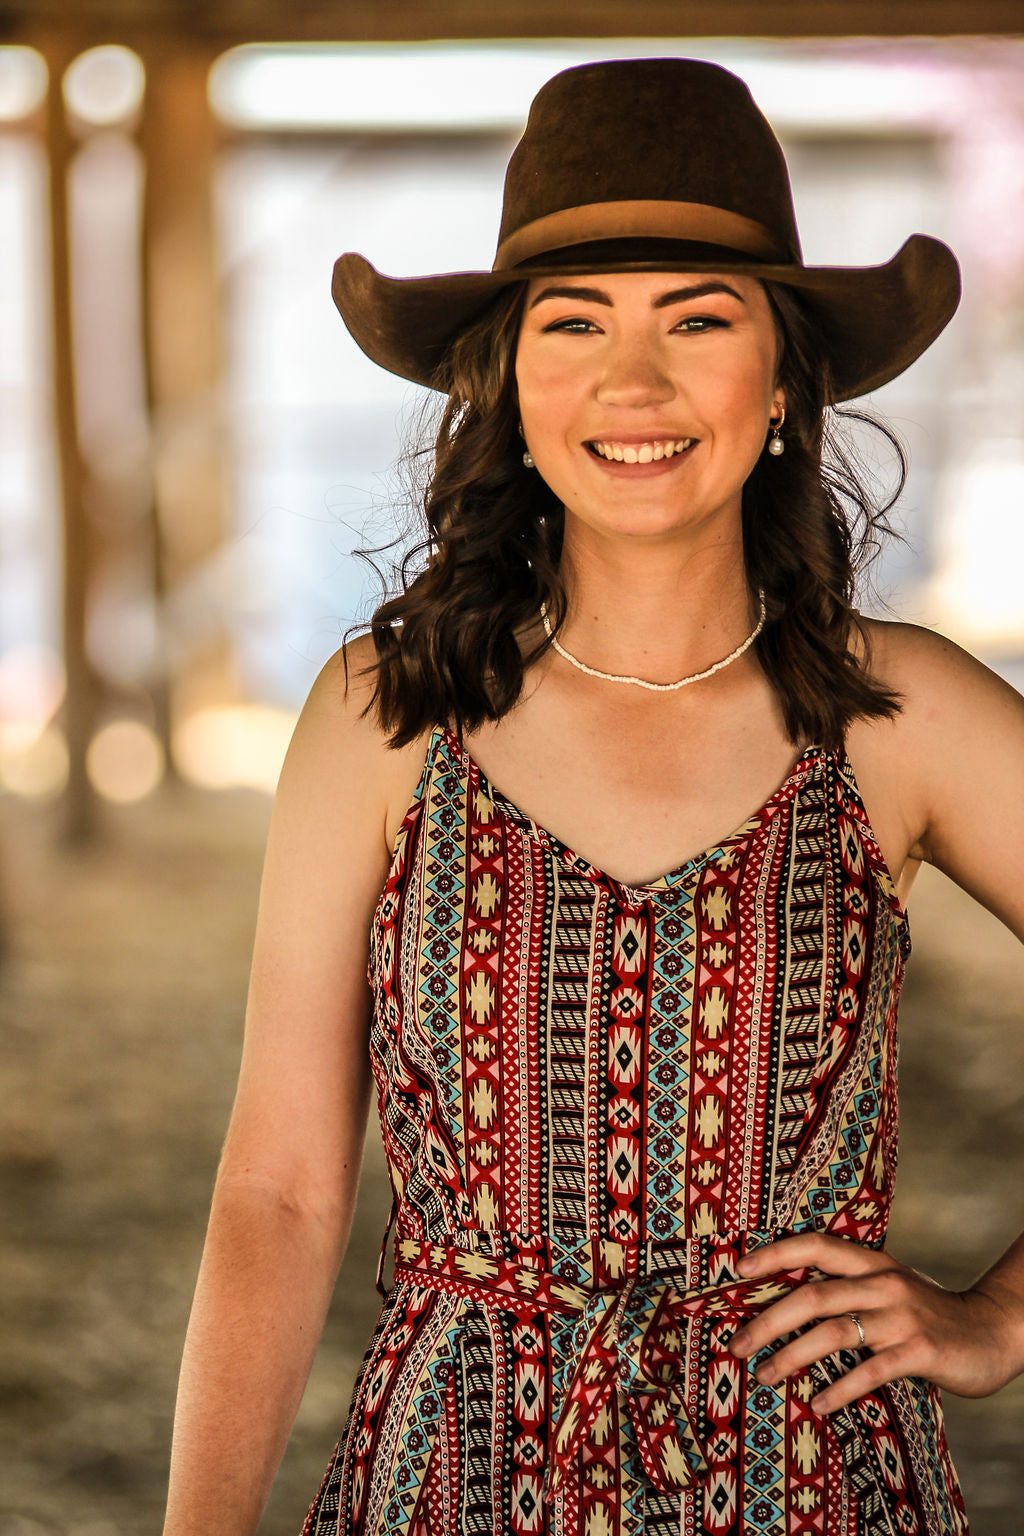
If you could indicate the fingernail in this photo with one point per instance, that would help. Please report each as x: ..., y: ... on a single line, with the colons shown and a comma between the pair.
x: 766, y: 1374
x: 819, y: 1405
x: 745, y: 1266
x: 740, y: 1342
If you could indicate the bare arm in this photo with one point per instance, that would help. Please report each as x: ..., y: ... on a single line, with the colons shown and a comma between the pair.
x: 286, y: 1187
x: 971, y: 800
x: 955, y: 764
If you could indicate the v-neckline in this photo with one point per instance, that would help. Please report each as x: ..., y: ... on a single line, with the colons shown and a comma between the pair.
x: 580, y: 865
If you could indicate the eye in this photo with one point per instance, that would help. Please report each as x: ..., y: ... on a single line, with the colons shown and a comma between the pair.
x: 573, y: 324
x: 696, y: 324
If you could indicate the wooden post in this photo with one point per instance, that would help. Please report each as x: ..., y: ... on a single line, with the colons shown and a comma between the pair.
x: 183, y: 337
x: 80, y: 699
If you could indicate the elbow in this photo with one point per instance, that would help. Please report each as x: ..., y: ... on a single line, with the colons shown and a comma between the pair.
x: 259, y: 1202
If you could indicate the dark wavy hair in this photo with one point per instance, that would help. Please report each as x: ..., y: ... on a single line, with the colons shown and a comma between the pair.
x: 446, y: 646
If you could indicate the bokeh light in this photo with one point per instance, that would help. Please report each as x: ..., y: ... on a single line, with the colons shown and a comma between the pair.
x: 104, y: 86
x: 239, y: 745
x: 33, y: 754
x: 33, y: 762
x: 31, y: 684
x: 125, y: 761
x: 23, y: 81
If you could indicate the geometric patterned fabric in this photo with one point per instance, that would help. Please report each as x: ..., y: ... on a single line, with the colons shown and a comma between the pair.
x: 594, y: 1099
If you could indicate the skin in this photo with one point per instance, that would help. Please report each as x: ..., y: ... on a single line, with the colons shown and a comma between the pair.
x: 653, y: 566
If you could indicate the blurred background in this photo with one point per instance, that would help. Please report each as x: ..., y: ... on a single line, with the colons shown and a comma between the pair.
x: 191, y: 450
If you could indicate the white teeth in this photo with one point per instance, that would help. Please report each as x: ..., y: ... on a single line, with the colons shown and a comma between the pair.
x: 641, y: 453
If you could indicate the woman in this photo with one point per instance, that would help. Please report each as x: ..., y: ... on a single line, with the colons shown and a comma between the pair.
x: 641, y: 1127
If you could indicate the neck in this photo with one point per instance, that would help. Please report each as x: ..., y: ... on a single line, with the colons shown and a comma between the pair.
x: 645, y: 615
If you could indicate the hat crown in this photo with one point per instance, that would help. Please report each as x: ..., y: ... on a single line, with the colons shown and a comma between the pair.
x: 674, y: 131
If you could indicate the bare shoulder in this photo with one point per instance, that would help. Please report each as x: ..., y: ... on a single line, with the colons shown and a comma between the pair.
x: 950, y: 764
x: 343, y: 783
x: 913, y: 653
x: 339, y: 739
x: 341, y: 697
x: 942, y: 686
x: 327, y: 837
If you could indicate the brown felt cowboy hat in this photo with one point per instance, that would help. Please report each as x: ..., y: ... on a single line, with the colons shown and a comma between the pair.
x: 655, y: 165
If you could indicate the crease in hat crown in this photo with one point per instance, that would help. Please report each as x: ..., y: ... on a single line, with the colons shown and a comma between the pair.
x: 655, y: 165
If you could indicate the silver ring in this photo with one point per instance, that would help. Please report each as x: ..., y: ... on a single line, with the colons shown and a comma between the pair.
x: 855, y: 1320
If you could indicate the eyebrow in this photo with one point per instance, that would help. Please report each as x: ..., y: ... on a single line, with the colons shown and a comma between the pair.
x: 599, y: 296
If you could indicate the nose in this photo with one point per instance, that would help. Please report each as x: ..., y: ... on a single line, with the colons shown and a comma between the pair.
x: 633, y: 375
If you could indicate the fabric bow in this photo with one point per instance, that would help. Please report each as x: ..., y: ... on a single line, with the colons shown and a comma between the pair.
x: 632, y: 1340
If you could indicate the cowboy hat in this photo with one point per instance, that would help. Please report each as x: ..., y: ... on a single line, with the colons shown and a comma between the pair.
x: 654, y: 165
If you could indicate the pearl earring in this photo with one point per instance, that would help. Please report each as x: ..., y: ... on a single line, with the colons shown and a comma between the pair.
x: 527, y: 456
x: 775, y: 443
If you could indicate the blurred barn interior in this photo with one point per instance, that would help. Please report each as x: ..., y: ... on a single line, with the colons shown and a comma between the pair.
x: 192, y: 450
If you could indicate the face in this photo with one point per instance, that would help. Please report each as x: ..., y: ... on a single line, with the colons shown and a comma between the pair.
x: 645, y: 397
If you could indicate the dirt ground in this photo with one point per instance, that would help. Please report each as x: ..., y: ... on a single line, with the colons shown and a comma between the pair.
x: 121, y: 998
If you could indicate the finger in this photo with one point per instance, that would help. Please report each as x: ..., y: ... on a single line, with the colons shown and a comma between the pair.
x: 811, y: 1302
x: 868, y: 1376
x: 817, y: 1250
x: 828, y: 1338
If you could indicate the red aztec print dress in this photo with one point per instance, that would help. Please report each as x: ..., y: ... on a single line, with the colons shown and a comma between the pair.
x: 594, y: 1099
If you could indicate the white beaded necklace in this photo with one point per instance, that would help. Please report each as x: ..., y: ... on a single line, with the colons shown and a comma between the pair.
x: 695, y: 677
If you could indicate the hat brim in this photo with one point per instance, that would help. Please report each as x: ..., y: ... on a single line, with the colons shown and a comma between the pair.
x: 875, y: 321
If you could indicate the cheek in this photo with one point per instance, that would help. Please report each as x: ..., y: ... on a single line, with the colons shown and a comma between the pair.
x: 546, y: 401
x: 750, y: 383
x: 743, y: 398
x: 538, y: 370
x: 530, y: 389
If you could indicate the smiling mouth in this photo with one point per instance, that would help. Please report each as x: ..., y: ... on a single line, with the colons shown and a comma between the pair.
x: 640, y: 453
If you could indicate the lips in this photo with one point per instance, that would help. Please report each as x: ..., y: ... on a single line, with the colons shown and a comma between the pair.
x: 639, y: 453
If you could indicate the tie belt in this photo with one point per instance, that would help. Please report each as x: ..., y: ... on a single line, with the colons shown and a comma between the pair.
x: 628, y: 1339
